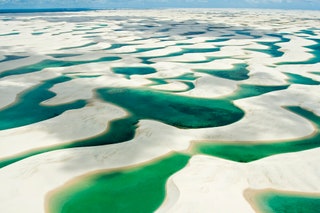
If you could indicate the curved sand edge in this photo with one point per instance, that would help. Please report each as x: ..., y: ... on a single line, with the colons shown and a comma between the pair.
x: 213, y: 184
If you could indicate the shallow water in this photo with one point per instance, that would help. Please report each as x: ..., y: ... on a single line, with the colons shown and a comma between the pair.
x: 276, y: 202
x: 52, y: 63
x: 128, y: 71
x: 136, y: 189
x: 28, y: 109
x: 238, y: 73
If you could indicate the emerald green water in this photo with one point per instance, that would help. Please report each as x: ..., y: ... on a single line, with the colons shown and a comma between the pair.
x: 63, y: 55
x: 246, y: 152
x: 12, y: 57
x: 179, y: 111
x: 247, y: 33
x: 299, y: 79
x: 28, y: 110
x: 138, y: 189
x: 218, y: 40
x: 10, y: 34
x: 116, y: 46
x: 238, y: 72
x: 128, y: 71
x: 248, y: 90
x: 52, y: 63
x: 273, y: 49
x: 281, y: 202
x: 37, y: 33
x: 308, y: 32
x: 184, y: 78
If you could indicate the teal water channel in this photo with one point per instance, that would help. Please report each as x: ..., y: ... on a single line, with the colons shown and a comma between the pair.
x: 52, y: 63
x: 247, y: 152
x: 285, y: 202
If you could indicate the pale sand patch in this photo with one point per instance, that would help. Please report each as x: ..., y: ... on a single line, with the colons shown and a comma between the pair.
x: 213, y: 184
x: 160, y: 52
x: 171, y: 86
x: 83, y: 88
x: 187, y: 57
x: 209, y: 86
x: 269, y: 122
x: 70, y: 126
x: 304, y: 70
x: 8, y: 65
x: 295, y: 50
x: 264, y: 75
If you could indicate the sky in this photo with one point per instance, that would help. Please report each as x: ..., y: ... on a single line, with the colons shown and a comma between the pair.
x: 111, y: 4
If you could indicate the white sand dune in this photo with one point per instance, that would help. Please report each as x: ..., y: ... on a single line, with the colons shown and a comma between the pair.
x: 213, y: 184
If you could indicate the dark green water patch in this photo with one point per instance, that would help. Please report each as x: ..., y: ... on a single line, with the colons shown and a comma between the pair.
x: 138, y: 189
x: 128, y: 71
x: 179, y: 111
x: 146, y: 60
x: 248, y: 90
x: 183, y: 44
x: 52, y: 63
x: 308, y: 32
x: 116, y: 46
x: 157, y: 81
x: 246, y: 152
x: 141, y: 50
x: 280, y: 36
x: 63, y: 55
x: 183, y: 78
x: 218, y: 40
x: 12, y: 57
x: 238, y: 73
x: 283, y: 202
x: 27, y: 109
x: 37, y: 33
x: 246, y: 33
x: 299, y: 79
x: 273, y: 49
x: 186, y: 78
x: 10, y: 34
x: 193, y: 33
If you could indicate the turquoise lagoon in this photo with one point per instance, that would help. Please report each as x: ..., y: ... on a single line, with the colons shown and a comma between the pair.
x: 286, y: 202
